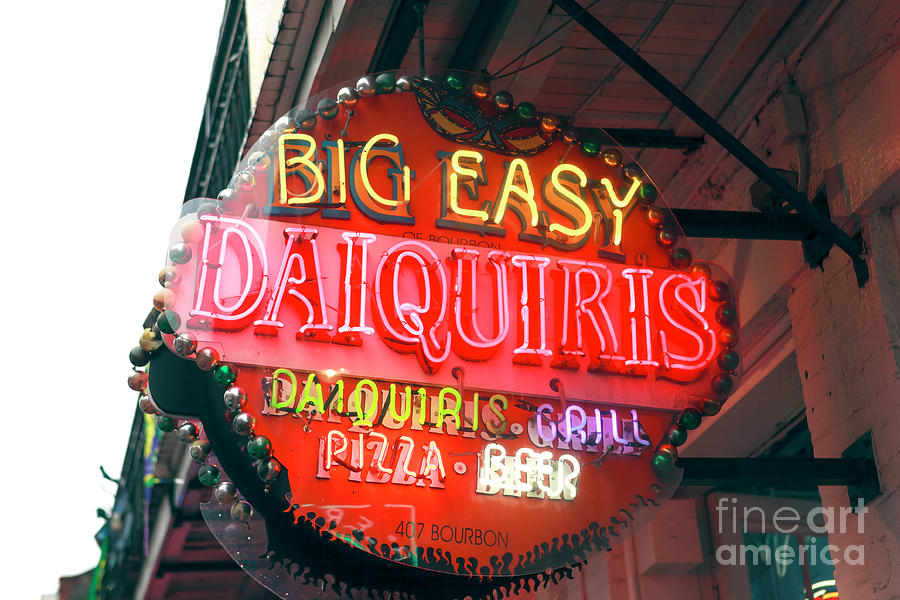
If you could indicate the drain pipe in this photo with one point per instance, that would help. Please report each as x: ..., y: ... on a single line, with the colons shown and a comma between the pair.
x: 791, y: 119
x: 420, y: 11
x: 632, y: 577
x: 895, y: 221
x: 792, y: 112
x: 790, y: 63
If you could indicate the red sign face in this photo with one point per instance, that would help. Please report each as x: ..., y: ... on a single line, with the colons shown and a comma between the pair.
x: 463, y: 335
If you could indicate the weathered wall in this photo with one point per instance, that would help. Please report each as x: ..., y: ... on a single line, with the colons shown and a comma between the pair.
x: 847, y: 339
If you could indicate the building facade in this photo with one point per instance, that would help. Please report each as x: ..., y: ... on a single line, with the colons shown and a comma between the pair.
x: 810, y: 88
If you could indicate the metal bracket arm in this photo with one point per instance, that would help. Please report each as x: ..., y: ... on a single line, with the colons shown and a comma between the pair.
x: 734, y: 224
x: 795, y: 199
x: 783, y: 473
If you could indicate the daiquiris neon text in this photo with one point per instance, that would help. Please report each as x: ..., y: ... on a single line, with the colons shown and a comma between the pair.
x: 300, y: 285
x: 383, y: 432
x: 562, y: 208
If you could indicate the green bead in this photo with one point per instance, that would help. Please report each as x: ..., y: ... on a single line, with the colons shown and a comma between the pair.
x: 259, y: 447
x: 590, y: 148
x: 209, y: 475
x: 224, y: 374
x: 711, y: 407
x: 722, y: 385
x: 663, y: 462
x: 647, y: 194
x: 726, y: 315
x: 526, y: 111
x: 454, y: 82
x: 681, y: 258
x: 677, y: 436
x: 691, y: 418
x: 165, y: 424
x: 729, y: 360
x: 384, y: 83
x: 168, y: 321
x: 138, y: 356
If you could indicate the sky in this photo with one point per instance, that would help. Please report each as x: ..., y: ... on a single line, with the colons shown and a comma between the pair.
x: 101, y: 105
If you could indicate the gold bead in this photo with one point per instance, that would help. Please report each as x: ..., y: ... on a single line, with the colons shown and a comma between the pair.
x: 611, y: 157
x: 481, y: 89
x: 192, y: 232
x: 149, y: 342
x: 163, y: 299
x: 549, y: 123
x: 168, y: 276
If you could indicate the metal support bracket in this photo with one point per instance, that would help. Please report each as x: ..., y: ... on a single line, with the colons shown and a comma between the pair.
x: 745, y: 225
x: 650, y: 138
x: 397, y: 37
x: 831, y: 232
x: 863, y: 448
x: 783, y: 473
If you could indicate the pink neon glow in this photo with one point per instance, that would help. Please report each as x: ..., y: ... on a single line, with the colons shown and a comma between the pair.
x: 609, y: 348
x: 416, y: 332
x: 645, y: 274
x: 418, y: 306
x: 636, y: 429
x: 694, y: 307
x: 526, y: 305
x: 316, y: 317
x: 598, y: 428
x: 466, y: 302
x: 359, y: 322
x: 614, y: 420
x: 333, y: 448
x: 236, y: 228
